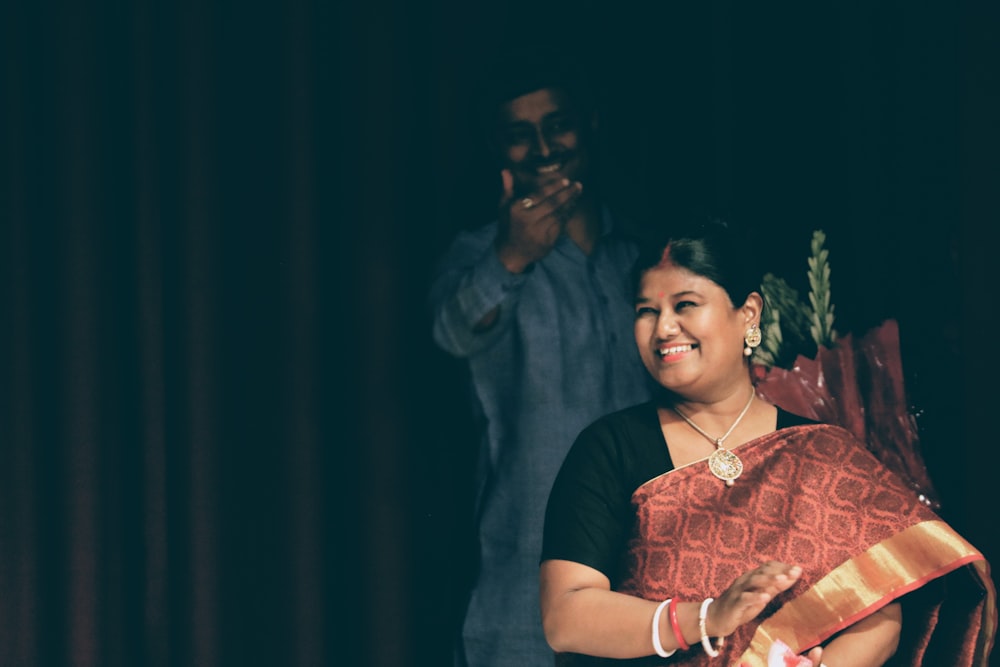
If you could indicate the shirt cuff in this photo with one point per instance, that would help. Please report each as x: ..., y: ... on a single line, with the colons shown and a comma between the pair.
x: 491, y: 284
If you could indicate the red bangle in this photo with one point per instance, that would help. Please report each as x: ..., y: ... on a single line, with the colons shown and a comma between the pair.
x: 676, y: 626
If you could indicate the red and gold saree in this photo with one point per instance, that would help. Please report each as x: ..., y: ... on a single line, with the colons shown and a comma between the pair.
x: 813, y: 496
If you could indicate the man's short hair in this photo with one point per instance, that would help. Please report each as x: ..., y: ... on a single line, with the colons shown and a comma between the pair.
x: 523, y: 69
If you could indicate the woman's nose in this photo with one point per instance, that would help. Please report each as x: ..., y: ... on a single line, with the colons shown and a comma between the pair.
x: 667, y: 326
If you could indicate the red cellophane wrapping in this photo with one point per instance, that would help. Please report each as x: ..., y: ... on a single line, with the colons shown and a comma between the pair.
x: 857, y: 384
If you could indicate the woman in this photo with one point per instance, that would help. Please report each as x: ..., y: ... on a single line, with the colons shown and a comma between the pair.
x: 711, y: 527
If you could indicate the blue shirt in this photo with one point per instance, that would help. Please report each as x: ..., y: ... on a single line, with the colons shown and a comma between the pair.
x: 560, y: 355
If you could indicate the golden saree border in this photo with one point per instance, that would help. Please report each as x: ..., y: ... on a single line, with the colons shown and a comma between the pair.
x: 859, y: 587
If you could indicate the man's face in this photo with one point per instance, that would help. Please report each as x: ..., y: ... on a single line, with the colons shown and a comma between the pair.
x: 541, y: 138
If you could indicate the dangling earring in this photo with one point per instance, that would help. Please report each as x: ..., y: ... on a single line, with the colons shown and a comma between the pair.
x: 752, y: 339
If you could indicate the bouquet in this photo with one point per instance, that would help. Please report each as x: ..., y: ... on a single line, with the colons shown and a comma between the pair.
x: 854, y: 383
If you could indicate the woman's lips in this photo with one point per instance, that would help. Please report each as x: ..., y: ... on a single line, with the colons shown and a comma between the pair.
x: 671, y: 352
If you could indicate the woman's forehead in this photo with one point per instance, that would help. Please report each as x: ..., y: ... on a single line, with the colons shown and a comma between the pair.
x: 671, y: 278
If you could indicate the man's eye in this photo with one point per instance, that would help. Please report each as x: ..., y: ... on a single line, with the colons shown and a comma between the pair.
x: 518, y: 136
x: 559, y: 124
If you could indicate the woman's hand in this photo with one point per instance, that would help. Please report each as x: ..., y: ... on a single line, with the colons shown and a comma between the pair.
x: 868, y: 643
x: 748, y: 595
x: 581, y: 614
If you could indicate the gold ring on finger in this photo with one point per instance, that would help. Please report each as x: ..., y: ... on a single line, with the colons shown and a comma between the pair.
x: 527, y: 202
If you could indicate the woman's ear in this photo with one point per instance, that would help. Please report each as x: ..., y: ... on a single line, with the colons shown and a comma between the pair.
x: 752, y: 308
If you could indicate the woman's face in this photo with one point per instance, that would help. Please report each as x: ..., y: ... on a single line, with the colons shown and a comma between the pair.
x: 690, y: 336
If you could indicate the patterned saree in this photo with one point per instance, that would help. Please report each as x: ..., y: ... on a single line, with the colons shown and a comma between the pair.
x: 812, y: 496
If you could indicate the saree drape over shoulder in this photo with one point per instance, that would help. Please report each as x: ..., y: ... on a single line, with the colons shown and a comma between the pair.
x: 812, y: 496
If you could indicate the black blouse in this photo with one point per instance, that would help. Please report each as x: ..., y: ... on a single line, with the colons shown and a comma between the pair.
x: 589, y: 514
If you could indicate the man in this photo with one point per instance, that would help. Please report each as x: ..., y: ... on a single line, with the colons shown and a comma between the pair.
x: 538, y: 303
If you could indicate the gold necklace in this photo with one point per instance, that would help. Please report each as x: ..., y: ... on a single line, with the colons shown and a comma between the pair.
x: 723, y: 463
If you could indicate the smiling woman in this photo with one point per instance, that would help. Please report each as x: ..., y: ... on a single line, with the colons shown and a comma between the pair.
x: 750, y: 524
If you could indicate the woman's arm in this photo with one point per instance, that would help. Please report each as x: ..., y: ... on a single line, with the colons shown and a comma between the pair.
x: 581, y: 614
x: 868, y: 643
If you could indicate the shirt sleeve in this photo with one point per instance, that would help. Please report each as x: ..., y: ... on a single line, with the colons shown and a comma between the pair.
x: 470, y: 282
x: 588, y: 514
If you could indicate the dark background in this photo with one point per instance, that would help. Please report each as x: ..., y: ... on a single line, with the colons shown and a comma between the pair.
x: 227, y: 438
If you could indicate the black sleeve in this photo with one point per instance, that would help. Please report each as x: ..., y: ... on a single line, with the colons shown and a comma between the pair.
x: 589, y: 513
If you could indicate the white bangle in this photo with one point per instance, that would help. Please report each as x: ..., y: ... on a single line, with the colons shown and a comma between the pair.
x: 705, y: 643
x: 657, y: 646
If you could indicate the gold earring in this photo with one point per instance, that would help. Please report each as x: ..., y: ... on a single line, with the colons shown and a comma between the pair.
x: 752, y: 339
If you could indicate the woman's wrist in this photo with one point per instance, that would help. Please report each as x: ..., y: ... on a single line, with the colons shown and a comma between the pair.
x: 657, y: 644
x: 706, y: 641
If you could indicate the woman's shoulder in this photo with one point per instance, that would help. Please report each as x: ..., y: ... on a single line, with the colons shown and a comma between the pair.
x: 791, y: 420
x: 621, y: 439
x: 641, y: 416
x: 788, y: 419
x: 833, y: 435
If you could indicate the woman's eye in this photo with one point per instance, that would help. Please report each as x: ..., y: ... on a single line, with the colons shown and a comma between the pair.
x: 643, y: 311
x: 681, y: 305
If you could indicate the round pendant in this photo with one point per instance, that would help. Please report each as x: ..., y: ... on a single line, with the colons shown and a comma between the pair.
x: 725, y: 465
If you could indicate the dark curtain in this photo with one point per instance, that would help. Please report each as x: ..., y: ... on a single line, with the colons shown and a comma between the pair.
x: 226, y: 436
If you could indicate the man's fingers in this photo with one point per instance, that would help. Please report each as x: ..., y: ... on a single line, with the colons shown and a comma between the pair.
x: 558, y: 198
x: 554, y: 187
x: 546, y: 191
x: 507, y: 180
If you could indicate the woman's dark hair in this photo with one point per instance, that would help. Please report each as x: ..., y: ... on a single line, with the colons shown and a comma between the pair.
x: 709, y: 247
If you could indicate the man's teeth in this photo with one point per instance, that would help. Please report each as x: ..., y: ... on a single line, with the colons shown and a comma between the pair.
x: 676, y: 349
x: 549, y: 168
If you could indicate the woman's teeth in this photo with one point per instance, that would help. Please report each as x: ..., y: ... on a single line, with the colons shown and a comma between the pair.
x: 676, y: 349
